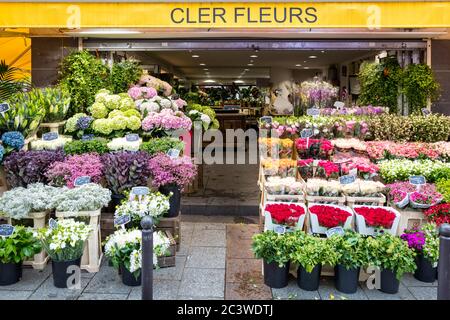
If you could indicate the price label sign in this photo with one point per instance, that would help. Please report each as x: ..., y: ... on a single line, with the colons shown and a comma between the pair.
x: 280, y: 229
x: 314, y: 112
x: 335, y: 230
x: 87, y: 137
x: 347, y: 179
x: 52, y: 223
x: 173, y: 153
x: 140, y: 191
x: 4, y: 107
x: 417, y: 180
x: 82, y: 180
x: 6, y: 230
x: 266, y: 119
x: 49, y: 136
x: 306, y: 133
x: 339, y: 105
x: 122, y: 220
x: 132, y: 137
x: 426, y: 112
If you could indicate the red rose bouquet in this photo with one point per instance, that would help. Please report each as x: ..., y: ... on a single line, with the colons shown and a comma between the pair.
x: 315, y: 148
x: 438, y: 214
x: 376, y: 217
x: 328, y: 169
x: 329, y: 216
x: 287, y: 214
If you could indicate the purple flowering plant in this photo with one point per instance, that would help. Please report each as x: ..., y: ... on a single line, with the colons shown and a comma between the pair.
x: 415, y: 238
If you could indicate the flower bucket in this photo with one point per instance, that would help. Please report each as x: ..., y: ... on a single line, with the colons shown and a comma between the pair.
x: 403, y: 203
x: 129, y: 279
x: 61, y: 273
x: 425, y: 271
x: 389, y: 282
x: 346, y: 280
x: 309, y: 281
x: 364, y: 229
x: 10, y: 273
x: 174, y: 200
x: 275, y: 276
x: 417, y: 205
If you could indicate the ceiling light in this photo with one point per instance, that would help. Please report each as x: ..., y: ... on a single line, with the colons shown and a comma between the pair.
x: 206, y: 69
x: 323, y: 51
x: 246, y: 69
x: 107, y: 31
x: 239, y: 81
x: 195, y: 56
x: 202, y: 64
x: 253, y: 56
x: 298, y: 65
x: 250, y: 64
x: 209, y: 81
x: 312, y: 57
x: 305, y: 67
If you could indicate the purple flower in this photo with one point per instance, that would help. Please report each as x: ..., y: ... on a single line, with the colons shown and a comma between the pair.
x: 166, y: 170
x: 415, y: 239
x: 83, y: 123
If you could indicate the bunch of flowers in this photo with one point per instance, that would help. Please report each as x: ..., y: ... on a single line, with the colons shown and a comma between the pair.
x: 25, y: 167
x: 415, y: 239
x: 376, y: 217
x: 328, y: 169
x: 13, y: 140
x: 357, y: 111
x: 156, y: 104
x: 443, y: 147
x: 138, y: 93
x: 400, y: 193
x: 205, y: 113
x: 351, y: 127
x: 159, y: 85
x: 315, y: 148
x: 64, y: 173
x: 66, y: 241
x: 400, y: 170
x: 166, y: 120
x: 318, y: 93
x: 329, y: 216
x: 50, y: 144
x: 443, y: 187
x: 88, y: 197
x: 379, y: 150
x: 362, y: 188
x: 350, y: 143
x: 287, y: 214
x: 423, y: 200
x: 438, y: 214
x: 366, y: 169
x: 424, y: 240
x: 320, y: 187
x: 275, y: 147
x: 117, y: 144
x: 154, y: 204
x: 171, y: 171
x: 72, y: 123
x: 19, y: 202
x: 288, y: 185
x: 281, y: 167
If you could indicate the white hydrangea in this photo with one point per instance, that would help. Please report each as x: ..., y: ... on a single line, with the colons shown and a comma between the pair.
x: 149, y: 106
x: 205, y: 118
x: 165, y: 104
x: 123, y: 144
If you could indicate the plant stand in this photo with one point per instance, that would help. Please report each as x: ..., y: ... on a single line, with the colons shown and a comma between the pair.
x: 92, y: 255
x: 39, y: 261
x: 169, y: 260
x: 53, y: 126
x: 372, y: 201
x: 410, y: 218
x: 171, y: 225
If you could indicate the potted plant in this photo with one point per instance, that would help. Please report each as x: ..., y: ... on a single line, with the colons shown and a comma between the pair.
x: 352, y: 254
x: 124, y: 250
x: 171, y: 175
x: 14, y: 249
x: 274, y: 249
x: 393, y: 256
x: 310, y: 253
x: 157, y: 145
x: 154, y: 204
x: 438, y: 214
x: 97, y: 145
x: 64, y: 243
x: 425, y: 241
x: 124, y: 170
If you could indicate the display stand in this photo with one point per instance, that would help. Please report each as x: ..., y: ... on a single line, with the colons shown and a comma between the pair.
x: 410, y: 218
x: 171, y: 225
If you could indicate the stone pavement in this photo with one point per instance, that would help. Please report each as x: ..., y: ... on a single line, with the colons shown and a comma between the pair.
x: 214, y: 262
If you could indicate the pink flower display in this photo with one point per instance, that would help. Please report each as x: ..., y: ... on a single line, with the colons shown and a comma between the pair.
x: 137, y: 93
x: 378, y: 150
x: 168, y: 171
x: 167, y: 119
x: 64, y: 173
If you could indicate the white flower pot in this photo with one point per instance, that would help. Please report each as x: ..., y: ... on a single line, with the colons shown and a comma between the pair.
x: 314, y: 221
x: 270, y: 226
x: 363, y: 229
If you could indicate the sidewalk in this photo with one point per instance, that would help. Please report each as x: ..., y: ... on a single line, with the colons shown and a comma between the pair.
x: 215, y: 261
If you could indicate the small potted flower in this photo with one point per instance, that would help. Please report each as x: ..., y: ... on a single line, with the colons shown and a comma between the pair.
x: 352, y: 255
x: 310, y: 253
x: 124, y: 250
x: 305, y: 168
x: 273, y: 248
x: 64, y: 243
x: 394, y: 258
x: 326, y: 216
x: 154, y: 204
x: 425, y: 241
x: 14, y: 249
x: 327, y: 170
x: 285, y: 215
x: 420, y: 200
x: 171, y: 175
x: 438, y: 214
x: 285, y: 151
x: 371, y: 220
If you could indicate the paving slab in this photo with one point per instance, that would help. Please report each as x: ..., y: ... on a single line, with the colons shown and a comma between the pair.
x: 328, y: 291
x: 171, y: 273
x: 162, y: 290
x: 409, y: 281
x: 242, y: 231
x: 107, y: 280
x: 31, y: 279
x: 293, y: 292
x: 209, y: 226
x: 239, y: 249
x: 247, y: 291
x: 209, y: 238
x: 241, y: 270
x: 374, y: 294
x: 103, y: 296
x: 47, y: 291
x: 424, y: 293
x: 15, y: 295
x: 202, y: 283
x: 206, y: 257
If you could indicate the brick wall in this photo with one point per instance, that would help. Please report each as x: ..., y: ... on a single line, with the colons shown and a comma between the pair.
x: 440, y: 62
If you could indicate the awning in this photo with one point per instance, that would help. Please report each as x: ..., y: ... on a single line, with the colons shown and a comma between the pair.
x: 16, y: 51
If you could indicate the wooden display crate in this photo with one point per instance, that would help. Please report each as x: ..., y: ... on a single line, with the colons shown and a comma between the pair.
x: 372, y: 201
x: 169, y: 260
x: 326, y: 200
x: 410, y: 218
x: 173, y: 225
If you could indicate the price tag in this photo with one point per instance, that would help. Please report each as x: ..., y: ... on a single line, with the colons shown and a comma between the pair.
x: 426, y: 112
x: 49, y: 136
x: 4, y: 107
x: 347, y: 179
x: 173, y: 153
x: 280, y: 229
x: 87, y: 137
x: 417, y: 180
x: 52, y: 223
x: 266, y: 119
x: 122, y: 220
x: 131, y: 137
x: 339, y: 105
x: 335, y: 230
x: 306, y: 133
x: 82, y: 180
x: 6, y: 230
x: 140, y: 191
x: 353, y: 172
x: 314, y: 112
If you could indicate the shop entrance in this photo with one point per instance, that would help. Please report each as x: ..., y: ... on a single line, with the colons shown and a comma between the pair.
x: 242, y: 80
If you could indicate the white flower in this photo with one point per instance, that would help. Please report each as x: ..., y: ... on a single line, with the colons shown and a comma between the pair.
x: 123, y: 144
x: 166, y: 104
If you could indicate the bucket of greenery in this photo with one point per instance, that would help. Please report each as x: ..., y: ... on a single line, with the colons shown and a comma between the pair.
x: 310, y: 253
x: 352, y: 254
x: 64, y: 242
x: 393, y: 257
x: 123, y: 248
x: 17, y: 243
x: 274, y: 249
x: 425, y: 242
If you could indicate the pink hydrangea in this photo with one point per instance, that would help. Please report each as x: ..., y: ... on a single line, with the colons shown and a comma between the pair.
x: 167, y: 119
x: 166, y: 170
x: 137, y: 93
x: 180, y: 103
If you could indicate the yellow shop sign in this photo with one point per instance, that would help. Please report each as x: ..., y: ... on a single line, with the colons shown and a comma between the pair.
x: 373, y: 15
